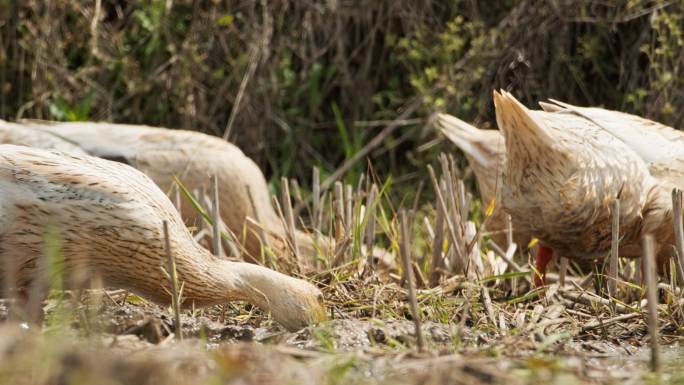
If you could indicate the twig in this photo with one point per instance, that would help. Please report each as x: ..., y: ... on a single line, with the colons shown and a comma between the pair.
x: 418, y: 275
x: 679, y: 232
x: 595, y: 324
x: 370, y: 224
x: 589, y: 299
x: 173, y: 278
x: 215, y: 218
x: 349, y: 217
x: 437, y: 258
x: 614, y: 245
x: 253, y: 61
x: 340, y: 227
x: 289, y: 216
x: 562, y: 271
x: 507, y: 256
x: 316, y: 196
x: 440, y: 198
x: 652, y: 296
x: 260, y: 229
x: 93, y: 29
x: 341, y: 246
x: 408, y: 271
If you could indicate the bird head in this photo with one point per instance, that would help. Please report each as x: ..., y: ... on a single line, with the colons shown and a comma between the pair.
x: 295, y: 303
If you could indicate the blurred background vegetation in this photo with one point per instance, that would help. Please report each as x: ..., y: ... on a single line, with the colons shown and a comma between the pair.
x: 298, y: 83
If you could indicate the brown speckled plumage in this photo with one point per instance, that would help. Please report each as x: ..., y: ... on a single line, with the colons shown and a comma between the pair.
x: 108, y: 217
x: 561, y: 174
x: 661, y: 147
x: 21, y: 135
x: 193, y: 157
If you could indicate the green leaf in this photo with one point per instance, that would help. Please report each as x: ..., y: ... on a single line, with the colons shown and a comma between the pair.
x: 225, y: 20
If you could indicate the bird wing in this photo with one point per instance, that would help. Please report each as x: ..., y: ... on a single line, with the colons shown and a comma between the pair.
x: 56, y: 180
x: 123, y: 142
x: 19, y: 134
x: 484, y: 146
x: 652, y: 141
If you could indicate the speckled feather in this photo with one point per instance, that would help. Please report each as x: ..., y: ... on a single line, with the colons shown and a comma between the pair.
x: 19, y: 134
x: 108, y: 217
x: 561, y: 175
x: 193, y: 157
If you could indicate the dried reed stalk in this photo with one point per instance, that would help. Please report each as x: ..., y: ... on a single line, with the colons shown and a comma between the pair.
x: 450, y: 226
x: 215, y: 218
x: 262, y: 234
x: 614, y: 246
x: 289, y: 216
x: 562, y: 272
x: 679, y: 232
x: 652, y: 296
x: 349, y: 222
x: 437, y: 262
x: 316, y: 197
x: 405, y: 247
x: 173, y: 280
x: 370, y: 224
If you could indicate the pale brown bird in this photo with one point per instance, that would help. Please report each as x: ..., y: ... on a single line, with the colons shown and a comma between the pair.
x: 193, y: 157
x: 485, y: 152
x: 661, y: 147
x: 108, y: 217
x: 562, y: 173
x: 21, y: 135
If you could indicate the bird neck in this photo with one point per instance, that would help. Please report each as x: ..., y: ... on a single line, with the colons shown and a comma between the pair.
x: 216, y: 281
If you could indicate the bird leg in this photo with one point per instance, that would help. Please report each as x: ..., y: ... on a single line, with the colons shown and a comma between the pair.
x: 544, y: 255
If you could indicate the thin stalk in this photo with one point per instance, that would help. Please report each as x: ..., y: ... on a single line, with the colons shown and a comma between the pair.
x: 562, y: 271
x: 370, y: 224
x: 614, y: 245
x: 652, y: 297
x: 405, y: 248
x: 437, y: 258
x: 262, y: 234
x: 316, y: 196
x: 173, y: 279
x: 215, y: 218
x: 679, y: 232
x: 289, y: 216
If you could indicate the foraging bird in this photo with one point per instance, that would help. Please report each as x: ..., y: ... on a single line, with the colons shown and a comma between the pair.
x: 660, y: 146
x: 108, y: 217
x: 624, y: 126
x: 19, y: 134
x: 485, y: 151
x: 562, y: 173
x: 193, y: 157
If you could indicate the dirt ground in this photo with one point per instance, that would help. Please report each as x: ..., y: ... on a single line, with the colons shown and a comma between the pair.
x: 119, y: 338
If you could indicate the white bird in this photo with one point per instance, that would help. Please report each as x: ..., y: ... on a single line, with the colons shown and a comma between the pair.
x: 21, y: 135
x: 561, y: 174
x: 108, y: 217
x: 193, y: 157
